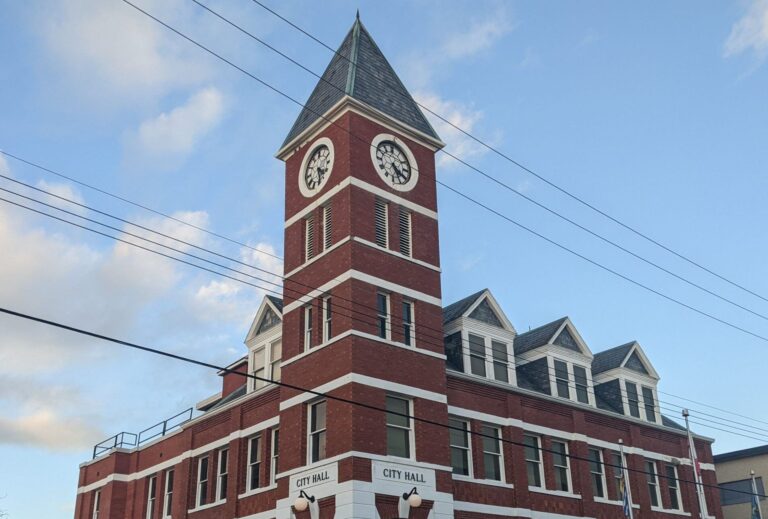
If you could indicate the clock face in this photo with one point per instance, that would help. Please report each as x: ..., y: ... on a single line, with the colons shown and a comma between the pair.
x: 394, y: 162
x: 316, y: 167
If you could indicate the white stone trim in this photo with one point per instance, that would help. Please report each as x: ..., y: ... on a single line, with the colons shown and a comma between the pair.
x: 366, y: 455
x: 671, y: 511
x: 488, y: 482
x: 317, y: 257
x: 255, y: 491
x: 206, y: 506
x: 559, y: 493
x: 397, y: 254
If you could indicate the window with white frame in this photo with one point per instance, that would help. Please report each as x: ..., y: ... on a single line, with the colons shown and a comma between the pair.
x: 151, y: 497
x: 405, y: 232
x: 633, y: 399
x: 327, y: 227
x: 275, y: 360
x: 222, y: 477
x: 202, y: 481
x: 477, y: 355
x: 493, y: 460
x: 253, y: 472
x: 673, y: 487
x: 649, y: 404
x: 582, y: 384
x: 168, y: 497
x: 309, y: 238
x: 317, y: 431
x: 327, y: 318
x: 381, y: 220
x: 460, y: 447
x: 273, y: 467
x: 382, y: 315
x: 652, y: 477
x: 307, y: 327
x: 533, y: 460
x: 265, y: 363
x: 408, y: 330
x: 259, y: 367
x: 398, y: 426
x: 500, y: 361
x: 597, y: 472
x: 560, y: 466
x: 96, y: 504
x: 561, y: 379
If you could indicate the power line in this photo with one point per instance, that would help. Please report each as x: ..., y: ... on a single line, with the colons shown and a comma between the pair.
x: 527, y: 169
x: 327, y: 396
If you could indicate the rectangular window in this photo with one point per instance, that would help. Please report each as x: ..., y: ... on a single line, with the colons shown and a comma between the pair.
x: 202, y: 481
x: 617, y: 472
x: 533, y: 460
x: 454, y: 351
x: 259, y: 367
x: 382, y: 223
x: 492, y: 457
x: 408, y: 335
x: 560, y: 466
x: 307, y: 327
x: 151, y: 497
x: 405, y: 232
x: 477, y: 354
x: 275, y: 454
x: 317, y: 426
x: 459, y: 441
x: 327, y: 319
x: 222, y: 477
x: 168, y: 498
x: 649, y: 403
x: 652, y: 478
x: 382, y: 311
x: 736, y: 492
x: 561, y: 379
x: 275, y: 360
x: 398, y: 427
x: 253, y: 473
x: 500, y: 361
x: 596, y: 472
x: 580, y: 381
x: 96, y: 504
x: 327, y: 227
x: 673, y: 486
x: 309, y: 238
x: 633, y: 399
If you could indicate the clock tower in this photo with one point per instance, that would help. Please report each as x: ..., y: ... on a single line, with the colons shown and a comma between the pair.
x: 362, y: 302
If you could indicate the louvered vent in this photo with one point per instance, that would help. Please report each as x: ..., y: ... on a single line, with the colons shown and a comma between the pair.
x: 309, y: 238
x: 382, y: 231
x: 327, y: 227
x: 405, y: 232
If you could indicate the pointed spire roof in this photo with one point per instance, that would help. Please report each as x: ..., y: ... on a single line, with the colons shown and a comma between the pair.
x: 358, y: 69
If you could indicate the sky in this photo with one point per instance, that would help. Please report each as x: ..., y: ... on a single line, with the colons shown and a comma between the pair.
x: 656, y: 114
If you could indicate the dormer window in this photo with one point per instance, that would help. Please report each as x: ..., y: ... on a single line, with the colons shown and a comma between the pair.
x: 571, y: 381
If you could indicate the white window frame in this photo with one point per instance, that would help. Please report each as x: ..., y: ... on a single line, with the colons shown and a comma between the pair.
x: 655, y: 483
x: 576, y: 386
x: 601, y: 462
x: 567, y: 466
x: 409, y: 338
x: 311, y: 434
x: 327, y: 303
x: 387, y: 318
x: 639, y: 399
x: 467, y: 437
x: 151, y: 496
x: 308, y: 326
x: 274, y: 447
x: 494, y: 362
x: 168, y: 494
x: 539, y: 462
x: 222, y: 474
x: 251, y: 465
x: 559, y: 379
x: 676, y: 487
x: 269, y: 364
x: 96, y: 504
x: 202, y: 496
x: 643, y: 387
x: 499, y: 455
x: 640, y: 384
x: 476, y: 355
x: 327, y: 227
x: 275, y: 364
x: 409, y: 428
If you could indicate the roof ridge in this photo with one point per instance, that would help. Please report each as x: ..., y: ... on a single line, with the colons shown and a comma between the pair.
x: 352, y: 72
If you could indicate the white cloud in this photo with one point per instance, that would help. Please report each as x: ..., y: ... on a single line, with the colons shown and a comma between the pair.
x: 750, y: 32
x: 45, y: 428
x: 174, y: 134
x: 480, y: 36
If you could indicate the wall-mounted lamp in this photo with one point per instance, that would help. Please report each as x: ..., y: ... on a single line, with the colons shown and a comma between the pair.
x: 305, y: 501
x: 410, y: 500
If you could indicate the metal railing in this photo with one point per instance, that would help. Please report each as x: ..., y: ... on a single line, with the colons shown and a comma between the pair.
x: 129, y: 440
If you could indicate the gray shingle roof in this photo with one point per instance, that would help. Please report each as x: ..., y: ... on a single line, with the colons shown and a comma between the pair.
x: 540, y: 336
x: 610, y: 359
x: 360, y: 70
x: 277, y: 302
x: 455, y: 310
x: 744, y: 453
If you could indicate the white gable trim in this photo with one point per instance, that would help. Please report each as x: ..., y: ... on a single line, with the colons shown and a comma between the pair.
x: 486, y: 295
x: 575, y: 334
x: 643, y: 358
x: 265, y: 303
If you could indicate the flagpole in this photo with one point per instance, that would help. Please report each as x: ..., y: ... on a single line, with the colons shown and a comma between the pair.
x: 755, y: 497
x: 696, y: 475
x: 627, y: 487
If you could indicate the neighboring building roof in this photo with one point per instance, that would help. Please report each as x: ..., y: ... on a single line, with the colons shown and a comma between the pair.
x: 457, y: 309
x: 540, y: 336
x: 610, y: 359
x: 744, y: 453
x: 671, y: 423
x: 360, y: 70
x: 234, y: 395
x: 277, y: 302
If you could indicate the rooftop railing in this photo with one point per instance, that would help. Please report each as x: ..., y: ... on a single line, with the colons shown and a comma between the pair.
x: 125, y: 440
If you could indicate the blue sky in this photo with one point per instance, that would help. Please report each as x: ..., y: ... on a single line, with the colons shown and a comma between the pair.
x: 657, y: 116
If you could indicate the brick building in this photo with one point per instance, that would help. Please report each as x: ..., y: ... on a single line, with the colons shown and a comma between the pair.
x: 362, y: 318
